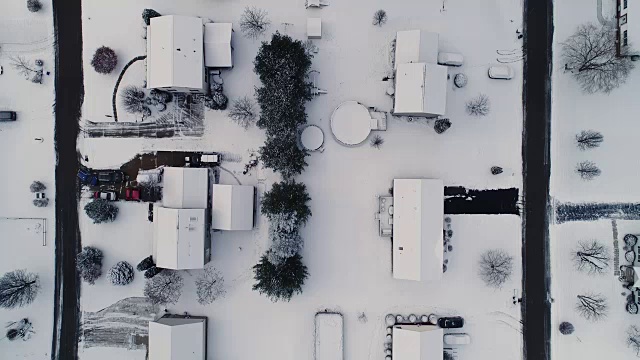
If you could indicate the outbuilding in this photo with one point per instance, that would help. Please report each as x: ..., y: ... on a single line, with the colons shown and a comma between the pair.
x: 217, y: 45
x: 417, y: 342
x: 178, y: 338
x: 413, y: 46
x: 421, y: 90
x: 180, y: 239
x: 232, y: 207
x: 418, y: 214
x: 185, y: 188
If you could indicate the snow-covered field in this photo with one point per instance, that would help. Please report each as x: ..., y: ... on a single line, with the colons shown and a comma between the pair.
x: 613, y: 116
x: 349, y: 265
x: 24, y: 160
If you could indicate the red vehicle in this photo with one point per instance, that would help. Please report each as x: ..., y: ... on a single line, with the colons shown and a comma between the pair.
x: 132, y: 194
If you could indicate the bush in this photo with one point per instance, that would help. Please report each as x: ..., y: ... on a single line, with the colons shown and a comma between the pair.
x: 152, y: 271
x: 100, y: 211
x: 479, y: 106
x: 282, y: 281
x: 379, y: 17
x: 289, y: 198
x: 34, y: 5
x: 89, y: 264
x: 566, y: 328
x: 37, y: 186
x: 121, y: 274
x: 133, y: 99
x: 376, y: 142
x: 104, y: 60
x: 148, y: 14
x: 40, y: 202
x: 162, y: 97
x: 217, y: 101
x: 460, y: 80
x: 442, y: 125
x: 146, y: 264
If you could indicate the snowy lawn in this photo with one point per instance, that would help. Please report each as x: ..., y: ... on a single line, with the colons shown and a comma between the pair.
x: 28, y: 35
x: 349, y: 264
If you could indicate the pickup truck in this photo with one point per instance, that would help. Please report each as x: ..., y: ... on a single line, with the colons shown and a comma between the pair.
x: 8, y: 116
x: 110, y: 176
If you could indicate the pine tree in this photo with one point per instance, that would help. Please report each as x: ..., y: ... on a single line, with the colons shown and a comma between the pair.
x: 283, y: 155
x: 287, y: 198
x: 282, y: 281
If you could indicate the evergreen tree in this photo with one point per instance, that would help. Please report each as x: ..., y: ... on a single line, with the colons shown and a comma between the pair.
x: 89, y: 264
x: 148, y: 14
x: 282, y: 281
x: 287, y: 198
x: 285, y: 237
x: 283, y: 155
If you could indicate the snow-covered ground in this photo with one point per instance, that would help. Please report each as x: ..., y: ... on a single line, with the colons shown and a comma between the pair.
x: 614, y: 116
x: 24, y: 160
x: 349, y: 264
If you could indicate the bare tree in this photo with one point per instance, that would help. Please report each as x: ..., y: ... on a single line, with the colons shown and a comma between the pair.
x: 633, y: 339
x: 592, y: 307
x: 27, y: 68
x: 589, y: 139
x: 164, y: 288
x: 592, y: 257
x: 133, y: 99
x: 479, y: 106
x: 379, y: 17
x: 254, y: 22
x: 243, y: 112
x: 588, y: 170
x: 496, y: 267
x: 18, y: 288
x: 591, y: 54
x: 210, y: 286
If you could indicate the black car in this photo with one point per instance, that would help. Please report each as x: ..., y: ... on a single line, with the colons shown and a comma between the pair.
x: 451, y: 322
x: 110, y: 176
x: 8, y: 116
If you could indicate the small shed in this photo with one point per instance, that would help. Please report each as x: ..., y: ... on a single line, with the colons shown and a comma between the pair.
x: 418, y: 214
x: 314, y: 28
x: 414, y: 46
x: 329, y: 336
x: 178, y: 338
x: 185, y: 188
x: 217, y: 45
x: 175, y: 60
x: 417, y: 342
x: 180, y: 239
x: 232, y: 207
x: 421, y: 90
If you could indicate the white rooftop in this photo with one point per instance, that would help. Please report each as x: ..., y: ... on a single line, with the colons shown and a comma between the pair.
x: 185, y: 188
x: 329, y: 337
x: 414, y: 46
x: 179, y: 238
x: 417, y: 342
x: 418, y: 214
x: 421, y: 90
x: 232, y: 207
x: 177, y: 339
x: 175, y: 53
x: 217, y: 45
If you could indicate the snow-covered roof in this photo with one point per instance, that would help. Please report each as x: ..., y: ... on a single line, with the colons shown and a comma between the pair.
x: 417, y: 342
x: 177, y: 339
x: 179, y: 238
x: 329, y: 337
x: 217, y: 44
x: 414, y: 46
x: 418, y: 213
x: 175, y: 53
x: 185, y: 188
x: 232, y: 207
x: 421, y: 90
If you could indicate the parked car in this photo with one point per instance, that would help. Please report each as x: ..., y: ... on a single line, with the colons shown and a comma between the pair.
x: 501, y: 72
x: 450, y: 59
x: 457, y: 339
x: 451, y: 322
x: 8, y: 116
x: 150, y: 176
x: 150, y: 213
x: 106, y: 195
x: 132, y: 194
x: 110, y: 177
x: 86, y: 177
x: 150, y: 193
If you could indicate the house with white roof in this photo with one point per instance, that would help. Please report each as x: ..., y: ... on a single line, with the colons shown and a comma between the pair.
x: 180, y: 238
x: 628, y: 31
x: 175, y: 56
x: 178, y: 338
x: 418, y: 214
x: 417, y: 342
x: 414, y: 46
x: 232, y: 207
x: 185, y: 188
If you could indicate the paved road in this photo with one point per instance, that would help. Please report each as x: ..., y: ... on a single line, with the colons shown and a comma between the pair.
x: 536, y: 311
x: 69, y: 95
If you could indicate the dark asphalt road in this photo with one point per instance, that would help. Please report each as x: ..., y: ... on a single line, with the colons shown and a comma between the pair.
x: 69, y: 96
x: 536, y: 310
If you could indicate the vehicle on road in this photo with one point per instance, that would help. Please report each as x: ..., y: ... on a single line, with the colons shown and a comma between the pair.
x: 110, y: 177
x: 501, y: 72
x: 457, y: 339
x: 106, y: 195
x: 450, y: 59
x: 8, y: 116
x: 132, y: 194
x: 87, y: 178
x: 451, y: 322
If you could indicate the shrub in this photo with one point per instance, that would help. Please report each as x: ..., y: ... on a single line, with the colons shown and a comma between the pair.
x: 104, y: 60
x: 148, y: 14
x: 40, y: 202
x: 442, y: 125
x: 460, y: 80
x: 376, y: 142
x: 34, y: 5
x: 121, y: 274
x: 146, y: 264
x: 479, y: 106
x: 496, y: 170
x: 282, y: 281
x: 589, y: 139
x: 37, y: 186
x: 162, y: 97
x: 379, y: 17
x: 217, y: 101
x: 566, y: 328
x: 89, y: 264
x: 133, y: 99
x: 152, y: 271
x: 100, y: 210
x: 288, y: 198
x: 588, y: 170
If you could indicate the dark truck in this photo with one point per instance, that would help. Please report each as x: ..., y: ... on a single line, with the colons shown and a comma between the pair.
x: 8, y: 116
x: 110, y: 177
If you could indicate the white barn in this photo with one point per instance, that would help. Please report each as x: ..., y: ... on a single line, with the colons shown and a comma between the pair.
x: 175, y: 56
x: 185, y: 188
x: 180, y: 239
x: 178, y: 338
x: 421, y: 90
x: 417, y: 342
x: 418, y: 214
x: 232, y: 207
